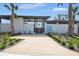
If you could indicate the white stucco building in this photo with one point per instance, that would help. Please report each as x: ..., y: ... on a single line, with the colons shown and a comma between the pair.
x: 36, y: 24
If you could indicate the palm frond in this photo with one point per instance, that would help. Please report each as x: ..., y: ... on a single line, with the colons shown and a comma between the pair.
x: 12, y: 5
x: 16, y: 7
x: 60, y: 4
x: 75, y: 9
x: 7, y: 6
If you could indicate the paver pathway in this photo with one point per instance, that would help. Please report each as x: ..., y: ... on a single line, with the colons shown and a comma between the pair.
x: 39, y: 45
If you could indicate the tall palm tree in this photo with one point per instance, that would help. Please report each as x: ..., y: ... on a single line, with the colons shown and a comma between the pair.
x: 70, y: 19
x: 12, y: 8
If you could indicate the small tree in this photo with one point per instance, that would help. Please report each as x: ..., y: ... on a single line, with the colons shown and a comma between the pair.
x: 12, y: 8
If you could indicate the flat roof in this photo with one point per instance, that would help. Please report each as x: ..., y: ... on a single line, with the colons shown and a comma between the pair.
x: 59, y: 22
x: 25, y: 17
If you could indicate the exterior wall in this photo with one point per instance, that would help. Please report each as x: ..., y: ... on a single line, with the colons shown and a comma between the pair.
x: 21, y: 27
x: 76, y: 28
x: 29, y: 27
x: 58, y: 28
x: 18, y: 25
x: 5, y: 28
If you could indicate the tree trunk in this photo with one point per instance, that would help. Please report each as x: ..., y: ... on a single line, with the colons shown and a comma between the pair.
x: 70, y: 20
x: 12, y: 26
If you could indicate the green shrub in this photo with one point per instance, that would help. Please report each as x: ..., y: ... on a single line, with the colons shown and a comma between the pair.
x: 7, y: 41
x: 17, y: 40
x: 2, y: 46
x: 11, y: 43
x: 59, y: 37
x: 65, y: 40
x: 63, y: 43
x: 73, y: 42
x: 6, y: 38
x: 49, y: 34
x: 66, y: 44
x: 70, y: 46
x: 58, y: 41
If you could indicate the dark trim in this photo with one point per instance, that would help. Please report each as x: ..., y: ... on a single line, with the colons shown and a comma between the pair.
x: 5, y: 17
x: 0, y: 20
x: 34, y: 25
x: 60, y: 22
x: 39, y: 30
x: 35, y: 17
x: 25, y: 17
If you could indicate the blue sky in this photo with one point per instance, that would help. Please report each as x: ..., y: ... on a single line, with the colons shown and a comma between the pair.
x: 36, y: 9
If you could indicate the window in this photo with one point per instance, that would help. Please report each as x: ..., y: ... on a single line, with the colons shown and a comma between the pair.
x: 38, y: 24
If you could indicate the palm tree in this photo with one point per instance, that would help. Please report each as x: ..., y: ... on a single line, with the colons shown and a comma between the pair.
x: 12, y: 8
x: 59, y: 16
x: 62, y: 16
x: 70, y: 19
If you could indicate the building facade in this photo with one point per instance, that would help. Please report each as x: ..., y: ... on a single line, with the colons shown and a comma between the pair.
x: 36, y: 24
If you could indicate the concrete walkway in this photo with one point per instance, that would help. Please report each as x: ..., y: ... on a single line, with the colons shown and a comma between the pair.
x: 39, y: 45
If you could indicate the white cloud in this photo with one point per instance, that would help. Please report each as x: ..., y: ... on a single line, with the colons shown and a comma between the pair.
x: 30, y: 6
x: 60, y: 9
